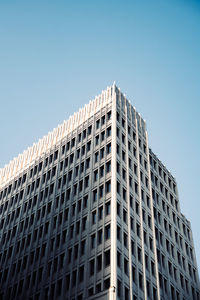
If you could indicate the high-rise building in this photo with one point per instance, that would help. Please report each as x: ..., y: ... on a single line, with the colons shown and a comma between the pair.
x: 90, y: 212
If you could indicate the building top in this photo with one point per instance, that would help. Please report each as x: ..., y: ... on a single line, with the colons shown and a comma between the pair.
x: 19, y: 163
x: 28, y: 157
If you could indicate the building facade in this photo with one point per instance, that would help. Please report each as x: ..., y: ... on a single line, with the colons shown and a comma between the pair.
x: 90, y: 212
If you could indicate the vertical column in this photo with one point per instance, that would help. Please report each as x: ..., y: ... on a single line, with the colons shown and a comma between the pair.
x: 140, y: 205
x: 153, y: 223
x: 128, y: 207
x: 113, y: 277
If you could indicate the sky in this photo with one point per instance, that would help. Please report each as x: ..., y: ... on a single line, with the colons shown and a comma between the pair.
x: 55, y: 56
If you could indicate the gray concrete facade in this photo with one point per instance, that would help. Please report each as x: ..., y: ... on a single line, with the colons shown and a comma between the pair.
x: 95, y: 214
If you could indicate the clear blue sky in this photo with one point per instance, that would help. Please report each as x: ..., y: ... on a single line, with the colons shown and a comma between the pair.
x: 55, y: 56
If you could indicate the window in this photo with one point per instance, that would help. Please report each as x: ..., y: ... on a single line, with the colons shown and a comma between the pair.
x: 100, y: 212
x: 102, y: 152
x: 118, y: 233
x: 99, y: 263
x: 87, y: 163
x: 107, y: 258
x: 109, y: 131
x: 103, y: 119
x: 108, y: 186
x: 149, y: 221
x: 107, y: 208
x: 66, y: 162
x: 124, y: 174
x: 77, y: 227
x: 133, y: 247
x: 74, y: 278
x: 95, y: 175
x: 151, y: 243
x: 97, y: 140
x: 39, y: 169
x: 85, y: 199
x: 134, y: 274
x: 69, y: 255
x: 118, y: 168
x: 126, y: 266
x: 153, y: 268
x: 107, y: 232
x: 107, y: 284
x: 90, y: 291
x: 101, y: 188
x: 139, y: 252
x: 75, y: 189
x: 95, y: 195
x: 46, y: 163
x: 118, y: 188
x: 71, y: 231
x: 109, y: 115
x: 81, y: 273
x: 72, y: 143
x: 43, y: 178
x: 123, y: 138
x: 124, y: 216
x: 68, y: 146
x: 83, y: 150
x: 71, y: 158
x: 138, y: 230
x: 126, y: 292
x: 101, y: 171
x: 86, y: 181
x: 100, y: 236
x: 88, y: 146
x: 108, y: 166
x: 97, y: 124
x: 84, y: 133
x: 108, y: 148
x: 130, y: 181
x: 80, y: 185
x: 92, y: 267
x: 118, y: 149
x: 83, y: 247
x: 118, y: 259
x: 70, y: 176
x: 76, y: 251
x: 136, y: 188
x: 93, y: 241
x: 141, y: 281
x: 94, y: 217
x: 124, y: 194
x: 123, y: 155
x: 103, y: 136
x: 84, y: 221
x: 96, y: 157
x: 118, y: 209
x: 125, y: 240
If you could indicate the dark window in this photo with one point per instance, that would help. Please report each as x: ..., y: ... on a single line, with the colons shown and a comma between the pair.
x: 107, y: 208
x: 107, y: 258
x: 107, y: 232
x: 91, y: 267
x: 108, y: 186
x: 108, y: 148
x: 99, y: 263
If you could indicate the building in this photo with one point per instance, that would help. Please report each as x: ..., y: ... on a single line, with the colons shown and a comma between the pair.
x: 90, y: 212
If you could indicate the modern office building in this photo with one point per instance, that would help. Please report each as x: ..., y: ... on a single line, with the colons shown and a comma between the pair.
x: 90, y: 212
